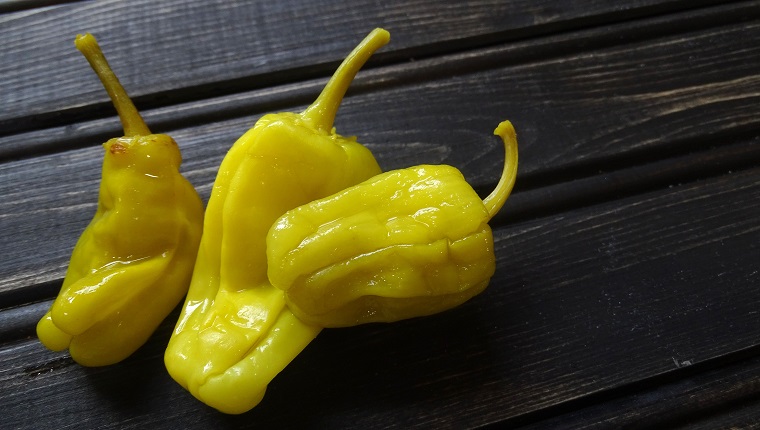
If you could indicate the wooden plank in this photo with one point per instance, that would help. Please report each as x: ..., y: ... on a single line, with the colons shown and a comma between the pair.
x: 694, y: 397
x: 172, y: 51
x: 628, y: 181
x: 582, y: 302
x: 569, y: 127
x: 524, y: 90
x: 17, y: 5
x: 743, y: 415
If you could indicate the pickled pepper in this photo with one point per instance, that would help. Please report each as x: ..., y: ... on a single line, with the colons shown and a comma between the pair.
x: 405, y: 243
x: 235, y: 333
x: 132, y: 264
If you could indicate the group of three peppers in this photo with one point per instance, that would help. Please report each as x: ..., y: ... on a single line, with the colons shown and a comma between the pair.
x: 302, y: 231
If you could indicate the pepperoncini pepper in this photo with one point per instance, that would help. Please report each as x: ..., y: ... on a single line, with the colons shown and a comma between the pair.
x: 235, y: 333
x: 132, y: 264
x: 405, y: 243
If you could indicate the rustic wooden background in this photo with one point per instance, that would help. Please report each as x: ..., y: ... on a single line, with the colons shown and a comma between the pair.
x: 627, y: 292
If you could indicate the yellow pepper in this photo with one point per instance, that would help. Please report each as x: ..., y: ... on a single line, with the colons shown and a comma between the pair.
x: 405, y: 243
x: 132, y: 264
x: 235, y: 333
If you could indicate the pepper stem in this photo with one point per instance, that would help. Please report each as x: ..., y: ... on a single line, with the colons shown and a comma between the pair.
x: 322, y: 112
x: 499, y: 195
x: 130, y: 118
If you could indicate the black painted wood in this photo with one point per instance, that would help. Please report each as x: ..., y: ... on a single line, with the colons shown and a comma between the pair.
x: 568, y: 128
x: 526, y: 80
x: 708, y: 395
x: 582, y: 302
x: 238, y: 45
x: 626, y: 290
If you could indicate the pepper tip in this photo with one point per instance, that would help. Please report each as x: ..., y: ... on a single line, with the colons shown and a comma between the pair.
x: 84, y: 39
x: 505, y: 130
x: 381, y: 34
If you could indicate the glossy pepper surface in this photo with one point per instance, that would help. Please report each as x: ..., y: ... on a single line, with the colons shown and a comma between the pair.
x: 132, y: 264
x: 405, y: 243
x: 235, y: 333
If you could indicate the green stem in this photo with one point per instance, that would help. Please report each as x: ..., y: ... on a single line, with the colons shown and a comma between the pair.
x: 130, y: 118
x: 499, y: 195
x: 322, y: 112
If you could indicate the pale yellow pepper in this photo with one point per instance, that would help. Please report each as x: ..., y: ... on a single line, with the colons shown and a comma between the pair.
x: 406, y: 243
x: 133, y: 262
x: 235, y: 333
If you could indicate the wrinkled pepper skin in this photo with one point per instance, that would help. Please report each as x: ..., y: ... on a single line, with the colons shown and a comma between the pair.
x: 235, y: 332
x: 132, y: 264
x: 403, y: 244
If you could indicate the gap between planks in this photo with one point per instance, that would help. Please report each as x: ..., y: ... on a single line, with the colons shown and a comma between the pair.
x: 8, y: 6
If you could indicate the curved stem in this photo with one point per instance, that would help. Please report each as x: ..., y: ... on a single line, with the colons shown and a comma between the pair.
x: 499, y: 195
x: 130, y: 118
x: 322, y: 112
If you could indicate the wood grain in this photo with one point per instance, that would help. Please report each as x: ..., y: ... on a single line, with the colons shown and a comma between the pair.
x: 582, y: 302
x: 693, y: 397
x: 626, y: 289
x: 217, y: 46
x: 568, y: 128
x: 524, y: 92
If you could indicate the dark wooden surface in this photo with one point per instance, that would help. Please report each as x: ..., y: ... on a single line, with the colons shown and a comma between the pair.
x: 627, y: 292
